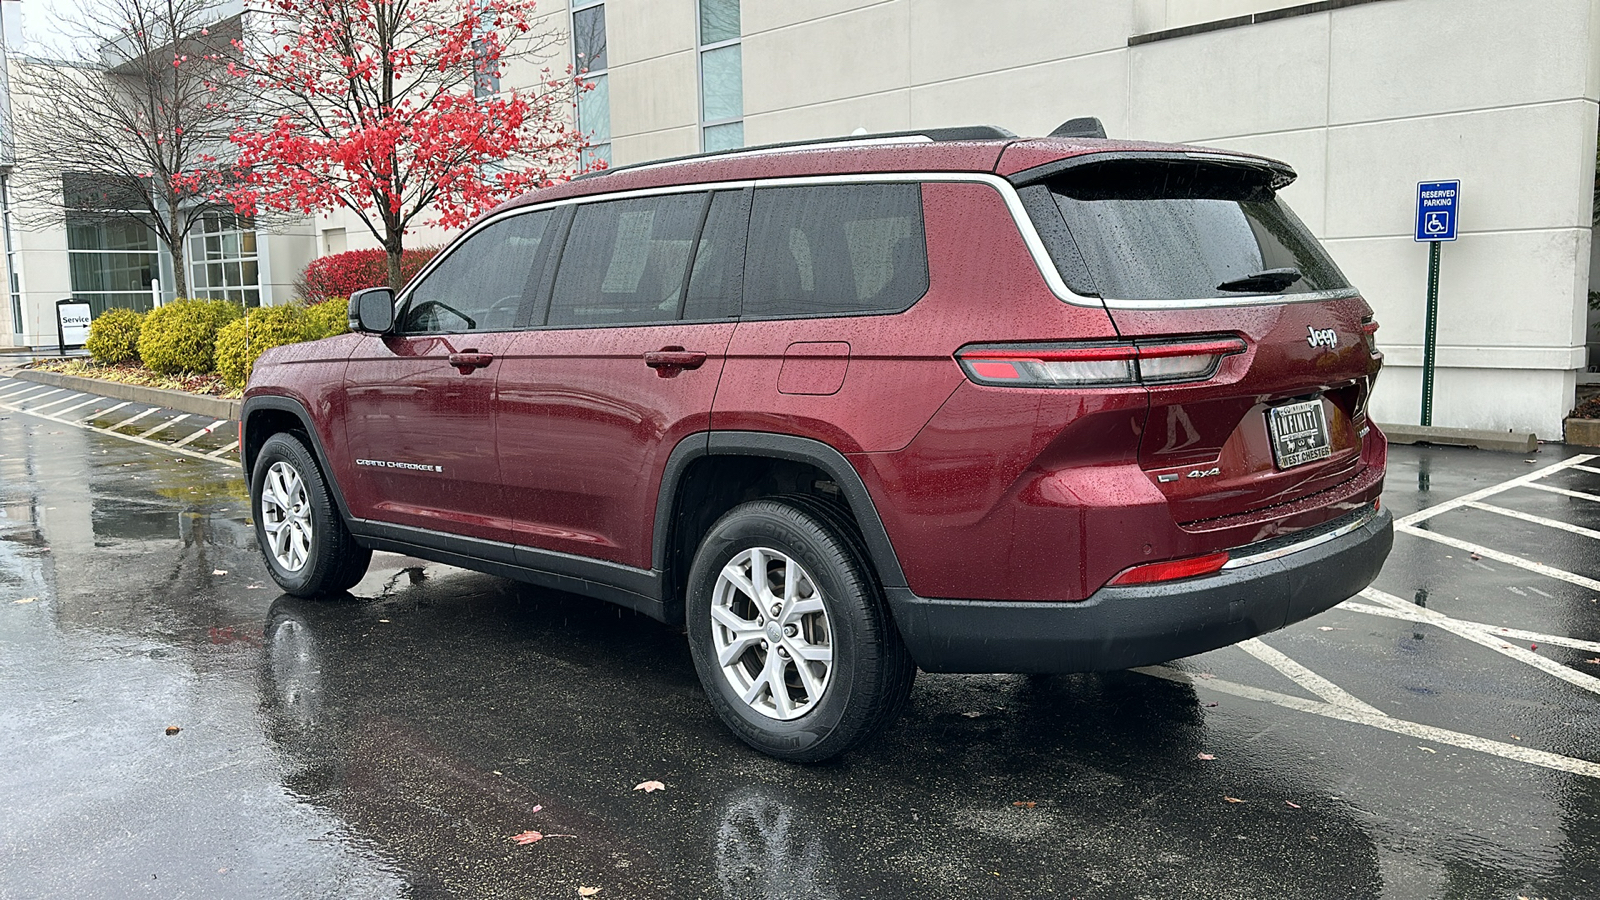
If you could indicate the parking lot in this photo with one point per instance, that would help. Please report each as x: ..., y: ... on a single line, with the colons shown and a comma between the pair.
x: 1436, y: 736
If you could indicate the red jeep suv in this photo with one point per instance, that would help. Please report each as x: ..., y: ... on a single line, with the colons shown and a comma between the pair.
x: 954, y: 400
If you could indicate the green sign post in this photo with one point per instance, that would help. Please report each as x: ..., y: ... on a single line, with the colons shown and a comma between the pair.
x: 1436, y: 222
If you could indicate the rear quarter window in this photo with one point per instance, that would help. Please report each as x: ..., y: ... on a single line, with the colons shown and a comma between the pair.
x: 835, y: 250
x: 1166, y: 230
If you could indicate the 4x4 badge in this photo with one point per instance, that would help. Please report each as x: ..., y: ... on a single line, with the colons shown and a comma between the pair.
x: 1324, y: 338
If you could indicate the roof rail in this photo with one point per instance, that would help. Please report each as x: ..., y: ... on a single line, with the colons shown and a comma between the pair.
x: 961, y: 133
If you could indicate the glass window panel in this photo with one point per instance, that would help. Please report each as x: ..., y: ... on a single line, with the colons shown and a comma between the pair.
x: 252, y: 298
x: 722, y: 83
x: 594, y: 111
x: 213, y: 247
x: 230, y: 245
x: 251, y: 273
x: 835, y: 250
x: 197, y: 275
x: 724, y: 137
x: 214, y: 275
x: 247, y: 243
x: 589, y: 38
x: 719, y: 20
x: 624, y: 261
x: 230, y: 272
x: 483, y: 283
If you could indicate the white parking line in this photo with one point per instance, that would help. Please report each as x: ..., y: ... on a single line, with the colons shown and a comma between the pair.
x: 1588, y: 469
x: 45, y: 394
x: 201, y: 433
x: 62, y: 412
x: 103, y: 412
x: 1304, y: 677
x: 126, y: 422
x: 1552, y: 489
x: 1537, y: 520
x: 1478, y: 636
x: 18, y: 395
x: 182, y: 451
x: 1417, y: 614
x: 164, y: 425
x: 1386, y: 723
x: 218, y: 452
x: 1507, y: 558
x: 67, y: 399
x: 1525, y: 480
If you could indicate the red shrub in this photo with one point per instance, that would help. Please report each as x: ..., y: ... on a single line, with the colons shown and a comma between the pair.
x: 342, y: 274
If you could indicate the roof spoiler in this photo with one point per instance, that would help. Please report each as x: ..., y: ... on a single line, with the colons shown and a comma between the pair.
x: 1281, y: 174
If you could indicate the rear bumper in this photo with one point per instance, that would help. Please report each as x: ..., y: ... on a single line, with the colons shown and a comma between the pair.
x: 1122, y: 627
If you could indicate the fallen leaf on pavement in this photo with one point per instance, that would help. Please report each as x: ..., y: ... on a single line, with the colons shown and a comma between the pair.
x: 1324, y: 627
x: 1025, y: 804
x: 1206, y: 675
x: 972, y: 714
x: 1427, y: 750
x: 219, y: 571
x: 1476, y: 556
x: 587, y: 891
x: 173, y: 729
x: 32, y: 599
x: 1233, y: 799
x: 1593, y: 662
x: 1533, y: 646
x: 1209, y: 705
x: 527, y: 837
x: 536, y: 808
x: 1205, y: 756
x: 1292, y: 804
x: 647, y: 787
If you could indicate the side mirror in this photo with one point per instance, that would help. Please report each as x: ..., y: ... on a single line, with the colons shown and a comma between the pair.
x: 372, y: 311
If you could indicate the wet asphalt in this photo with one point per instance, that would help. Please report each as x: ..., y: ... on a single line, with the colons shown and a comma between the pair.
x: 391, y: 744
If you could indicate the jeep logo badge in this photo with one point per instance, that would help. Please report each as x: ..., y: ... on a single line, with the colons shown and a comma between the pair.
x: 1324, y: 338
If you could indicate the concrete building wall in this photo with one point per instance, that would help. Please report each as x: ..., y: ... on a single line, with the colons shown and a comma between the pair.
x: 1364, y: 101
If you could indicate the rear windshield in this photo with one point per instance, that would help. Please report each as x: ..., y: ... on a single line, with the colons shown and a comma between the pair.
x: 1177, y: 230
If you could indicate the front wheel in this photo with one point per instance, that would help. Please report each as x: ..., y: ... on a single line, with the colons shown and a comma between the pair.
x: 790, y: 634
x: 306, y: 544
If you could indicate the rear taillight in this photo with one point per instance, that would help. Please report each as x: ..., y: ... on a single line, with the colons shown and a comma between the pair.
x: 1172, y: 569
x: 1369, y: 334
x: 1097, y: 364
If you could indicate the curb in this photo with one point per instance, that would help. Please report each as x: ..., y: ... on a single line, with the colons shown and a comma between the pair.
x: 1504, y: 441
x: 182, y: 401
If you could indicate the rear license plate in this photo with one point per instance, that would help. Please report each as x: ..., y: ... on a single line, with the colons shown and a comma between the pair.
x: 1299, y: 433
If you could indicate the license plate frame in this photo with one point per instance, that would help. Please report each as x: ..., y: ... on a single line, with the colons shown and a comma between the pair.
x: 1299, y: 433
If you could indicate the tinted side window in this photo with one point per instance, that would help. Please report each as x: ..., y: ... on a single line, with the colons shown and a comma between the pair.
x: 714, y: 286
x: 482, y: 284
x: 624, y: 261
x: 836, y: 249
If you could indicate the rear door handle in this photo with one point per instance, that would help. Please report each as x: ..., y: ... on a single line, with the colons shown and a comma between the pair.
x: 669, y: 361
x: 467, y: 360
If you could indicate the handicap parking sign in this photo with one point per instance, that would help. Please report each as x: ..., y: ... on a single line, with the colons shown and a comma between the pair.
x: 1436, y: 210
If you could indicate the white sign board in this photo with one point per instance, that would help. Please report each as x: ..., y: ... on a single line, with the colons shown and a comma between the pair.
x: 72, y: 323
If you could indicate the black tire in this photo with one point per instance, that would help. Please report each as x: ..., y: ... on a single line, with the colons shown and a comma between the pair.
x: 869, y: 676
x: 332, y: 560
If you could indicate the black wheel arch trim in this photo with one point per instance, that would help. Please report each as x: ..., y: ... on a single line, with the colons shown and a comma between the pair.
x: 781, y: 446
x: 280, y: 403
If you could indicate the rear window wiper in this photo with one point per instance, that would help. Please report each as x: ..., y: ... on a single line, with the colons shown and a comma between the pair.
x: 1267, y: 281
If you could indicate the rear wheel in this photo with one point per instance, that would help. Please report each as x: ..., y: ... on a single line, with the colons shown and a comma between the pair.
x: 790, y: 633
x: 306, y: 544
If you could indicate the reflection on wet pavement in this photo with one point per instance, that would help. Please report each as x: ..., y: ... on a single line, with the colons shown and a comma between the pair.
x: 388, y: 744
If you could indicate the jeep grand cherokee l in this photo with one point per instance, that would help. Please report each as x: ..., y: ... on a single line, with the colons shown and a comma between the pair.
x: 951, y: 400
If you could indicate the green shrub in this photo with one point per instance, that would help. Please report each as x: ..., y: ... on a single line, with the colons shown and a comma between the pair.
x: 181, y: 336
x: 241, y: 341
x: 328, y: 318
x: 114, y: 336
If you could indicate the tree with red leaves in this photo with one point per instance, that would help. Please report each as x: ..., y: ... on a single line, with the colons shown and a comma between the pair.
x: 390, y: 109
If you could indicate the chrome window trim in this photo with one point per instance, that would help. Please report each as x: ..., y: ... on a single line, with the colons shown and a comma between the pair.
x: 1007, y: 192
x: 1314, y: 541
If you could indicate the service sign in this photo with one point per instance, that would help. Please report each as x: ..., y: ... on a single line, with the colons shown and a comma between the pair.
x: 72, y: 323
x: 1437, y: 204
